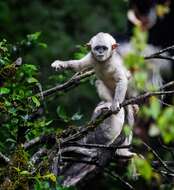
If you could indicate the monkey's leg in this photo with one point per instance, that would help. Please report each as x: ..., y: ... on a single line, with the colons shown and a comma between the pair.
x: 125, y: 151
x: 129, y: 119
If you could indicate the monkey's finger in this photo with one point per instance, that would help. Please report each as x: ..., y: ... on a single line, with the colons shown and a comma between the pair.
x: 55, y: 64
x: 114, y: 107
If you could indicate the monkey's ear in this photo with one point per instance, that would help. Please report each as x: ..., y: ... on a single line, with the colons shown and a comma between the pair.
x: 114, y: 46
x: 88, y: 45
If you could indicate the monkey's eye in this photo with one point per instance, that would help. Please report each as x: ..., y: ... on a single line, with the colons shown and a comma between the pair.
x: 105, y: 48
x: 98, y: 48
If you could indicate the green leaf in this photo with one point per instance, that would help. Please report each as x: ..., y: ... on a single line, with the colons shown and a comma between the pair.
x: 34, y: 36
x: 4, y: 90
x: 165, y: 124
x: 143, y: 168
x: 30, y: 66
x: 17, y: 169
x: 25, y: 172
x: 36, y: 101
x: 50, y: 176
x: 62, y: 113
x: 127, y: 130
x: 43, y: 45
x: 37, y: 185
x: 48, y: 123
x: 32, y: 80
x: 155, y: 108
x: 11, y: 140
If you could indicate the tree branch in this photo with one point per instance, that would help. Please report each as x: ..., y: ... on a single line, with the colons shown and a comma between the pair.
x: 100, y: 146
x: 36, y: 157
x: 73, y: 82
x: 46, y: 139
x: 105, y: 114
x: 93, y: 124
x: 77, y: 160
x: 77, y: 77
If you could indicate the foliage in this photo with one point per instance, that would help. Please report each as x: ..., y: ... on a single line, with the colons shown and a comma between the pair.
x: 157, y: 121
x: 24, y: 71
x: 18, y: 106
x: 16, y: 96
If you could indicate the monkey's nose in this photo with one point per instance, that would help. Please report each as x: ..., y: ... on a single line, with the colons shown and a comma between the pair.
x: 100, y: 53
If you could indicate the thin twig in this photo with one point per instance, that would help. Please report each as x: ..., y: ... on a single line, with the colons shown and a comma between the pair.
x: 116, y: 176
x: 159, y: 57
x: 167, y: 148
x: 4, y: 158
x: 157, y: 163
x: 165, y: 173
x: 169, y: 84
x: 158, y: 157
x: 159, y: 52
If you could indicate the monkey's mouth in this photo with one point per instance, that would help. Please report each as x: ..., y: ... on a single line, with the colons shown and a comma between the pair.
x: 100, y: 56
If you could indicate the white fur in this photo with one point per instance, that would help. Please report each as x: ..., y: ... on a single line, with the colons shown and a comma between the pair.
x: 112, y: 72
x: 113, y: 79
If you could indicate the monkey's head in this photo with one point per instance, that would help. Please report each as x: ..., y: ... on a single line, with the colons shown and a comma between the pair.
x: 102, y: 46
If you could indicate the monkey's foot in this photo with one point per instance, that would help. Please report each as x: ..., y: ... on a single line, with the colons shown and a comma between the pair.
x: 125, y: 153
x: 102, y: 106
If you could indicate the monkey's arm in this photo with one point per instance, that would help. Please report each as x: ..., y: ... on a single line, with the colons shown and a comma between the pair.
x: 77, y: 65
x: 120, y: 90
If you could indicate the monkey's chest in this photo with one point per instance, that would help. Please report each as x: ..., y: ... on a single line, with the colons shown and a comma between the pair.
x: 108, y: 77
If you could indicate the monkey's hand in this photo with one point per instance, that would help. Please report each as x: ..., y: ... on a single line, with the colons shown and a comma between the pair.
x: 59, y: 65
x: 103, y: 106
x: 115, y: 106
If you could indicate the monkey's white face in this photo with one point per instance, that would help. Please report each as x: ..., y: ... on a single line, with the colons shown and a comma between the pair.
x: 101, y: 46
x: 101, y: 52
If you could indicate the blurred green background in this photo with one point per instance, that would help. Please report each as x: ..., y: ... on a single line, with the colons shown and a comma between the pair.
x: 64, y: 24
